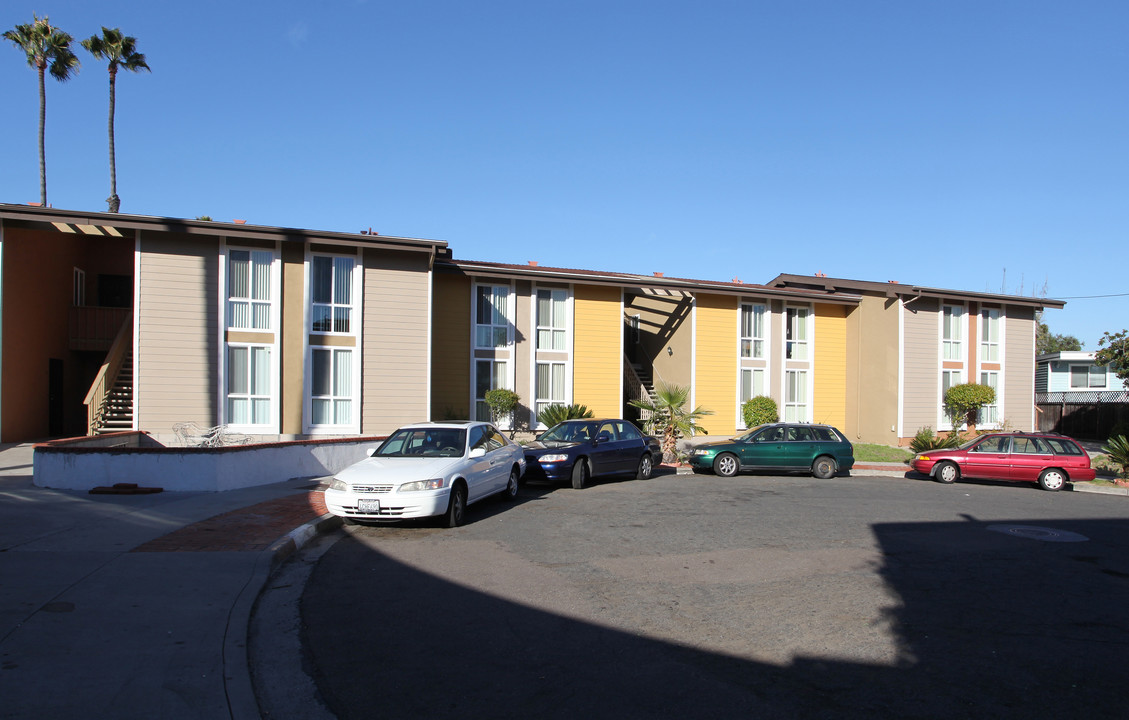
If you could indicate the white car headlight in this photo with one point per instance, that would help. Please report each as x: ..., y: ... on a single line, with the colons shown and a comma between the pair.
x: 432, y: 484
x: 339, y: 485
x: 699, y: 451
x: 558, y: 457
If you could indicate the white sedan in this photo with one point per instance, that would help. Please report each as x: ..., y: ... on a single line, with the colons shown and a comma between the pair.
x: 428, y: 469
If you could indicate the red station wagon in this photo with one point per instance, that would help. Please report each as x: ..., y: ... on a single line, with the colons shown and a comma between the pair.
x: 1048, y: 459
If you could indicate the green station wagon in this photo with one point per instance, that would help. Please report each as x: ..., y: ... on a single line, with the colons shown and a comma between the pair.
x: 782, y: 447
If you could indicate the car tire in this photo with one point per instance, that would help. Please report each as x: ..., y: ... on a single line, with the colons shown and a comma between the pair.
x: 580, y: 474
x: 646, y: 467
x: 1052, y: 479
x: 456, y: 506
x: 824, y: 468
x: 726, y: 465
x: 510, y: 493
x: 947, y: 473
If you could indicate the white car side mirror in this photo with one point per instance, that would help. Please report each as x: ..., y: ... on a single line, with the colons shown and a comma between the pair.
x: 477, y: 452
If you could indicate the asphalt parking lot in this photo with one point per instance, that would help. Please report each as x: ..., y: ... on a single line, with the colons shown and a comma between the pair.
x: 753, y: 596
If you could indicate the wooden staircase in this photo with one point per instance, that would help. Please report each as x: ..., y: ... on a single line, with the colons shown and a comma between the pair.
x: 117, y: 413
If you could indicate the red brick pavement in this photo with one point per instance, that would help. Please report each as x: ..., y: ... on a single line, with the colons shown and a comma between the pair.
x: 248, y: 529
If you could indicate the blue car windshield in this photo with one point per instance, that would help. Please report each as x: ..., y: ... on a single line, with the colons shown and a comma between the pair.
x: 567, y: 433
x: 424, y: 442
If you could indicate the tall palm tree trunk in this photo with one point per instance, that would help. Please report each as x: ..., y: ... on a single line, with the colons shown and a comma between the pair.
x: 42, y: 123
x: 113, y: 200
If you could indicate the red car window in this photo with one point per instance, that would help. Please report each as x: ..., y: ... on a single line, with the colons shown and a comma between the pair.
x: 1030, y: 446
x: 1063, y: 447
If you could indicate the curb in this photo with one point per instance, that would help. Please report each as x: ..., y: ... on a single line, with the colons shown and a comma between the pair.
x: 240, y: 691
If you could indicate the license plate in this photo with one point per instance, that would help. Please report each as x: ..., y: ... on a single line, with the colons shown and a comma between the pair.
x: 368, y: 506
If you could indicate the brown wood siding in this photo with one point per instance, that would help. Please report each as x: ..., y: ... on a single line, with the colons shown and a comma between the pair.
x: 922, y: 350
x: 177, y: 341
x: 394, y: 375
x: 292, y: 347
x: 1019, y: 363
x: 450, y: 348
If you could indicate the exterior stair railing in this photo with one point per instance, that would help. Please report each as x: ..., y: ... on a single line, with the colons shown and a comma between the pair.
x: 98, y: 397
x: 636, y: 390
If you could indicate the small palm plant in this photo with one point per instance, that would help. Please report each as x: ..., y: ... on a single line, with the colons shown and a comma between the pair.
x: 557, y: 413
x: 926, y: 440
x: 670, y: 420
x: 1117, y: 447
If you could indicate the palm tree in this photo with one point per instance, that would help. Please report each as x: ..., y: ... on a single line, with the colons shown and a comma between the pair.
x: 120, y: 51
x: 46, y: 47
x: 669, y: 417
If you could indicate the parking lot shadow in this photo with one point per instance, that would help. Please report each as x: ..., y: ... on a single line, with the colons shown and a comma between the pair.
x: 1014, y: 620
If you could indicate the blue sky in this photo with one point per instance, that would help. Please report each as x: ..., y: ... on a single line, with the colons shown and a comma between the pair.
x: 978, y: 145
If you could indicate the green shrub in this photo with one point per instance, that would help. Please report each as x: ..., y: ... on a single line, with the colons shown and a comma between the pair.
x: 1117, y: 447
x: 963, y: 402
x: 501, y: 402
x: 926, y: 440
x: 759, y: 410
x: 557, y: 413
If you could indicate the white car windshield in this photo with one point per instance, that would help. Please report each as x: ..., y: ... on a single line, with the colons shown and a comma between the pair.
x: 424, y: 442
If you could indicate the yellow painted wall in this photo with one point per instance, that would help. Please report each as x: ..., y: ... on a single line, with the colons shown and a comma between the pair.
x: 830, y: 392
x: 597, y: 379
x: 715, y: 371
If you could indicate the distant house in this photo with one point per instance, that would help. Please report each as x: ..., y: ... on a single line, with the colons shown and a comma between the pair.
x: 1076, y: 375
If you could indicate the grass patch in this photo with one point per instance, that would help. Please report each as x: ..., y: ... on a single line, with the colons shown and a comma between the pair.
x: 866, y: 452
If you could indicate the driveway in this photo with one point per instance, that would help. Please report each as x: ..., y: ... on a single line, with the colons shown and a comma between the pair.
x: 752, y: 596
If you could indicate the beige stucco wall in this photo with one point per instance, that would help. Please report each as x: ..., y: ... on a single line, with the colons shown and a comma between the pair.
x: 178, y: 355
x: 922, y: 383
x: 450, y: 348
x: 1019, y: 368
x: 292, y: 362
x: 871, y: 360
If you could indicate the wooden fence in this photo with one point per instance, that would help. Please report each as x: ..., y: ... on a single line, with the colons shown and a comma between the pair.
x: 1088, y: 415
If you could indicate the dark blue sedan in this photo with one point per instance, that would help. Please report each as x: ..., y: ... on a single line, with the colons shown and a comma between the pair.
x: 579, y: 450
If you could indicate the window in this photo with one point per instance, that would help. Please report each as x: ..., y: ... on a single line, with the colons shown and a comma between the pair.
x: 551, y: 319
x: 990, y: 414
x: 79, y: 297
x: 627, y: 431
x: 989, y: 335
x: 798, y: 434
x: 248, y: 384
x: 331, y: 386
x: 331, y: 292
x: 488, y: 375
x: 951, y: 330
x: 796, y: 396
x: 796, y: 333
x: 1063, y: 446
x: 1087, y: 376
x: 491, y: 316
x: 249, y: 289
x: 636, y: 336
x: 550, y: 385
x: 752, y: 330
x: 752, y: 383
x: 1029, y: 446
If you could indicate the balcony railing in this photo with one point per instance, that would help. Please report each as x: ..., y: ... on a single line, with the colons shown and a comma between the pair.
x: 94, y: 328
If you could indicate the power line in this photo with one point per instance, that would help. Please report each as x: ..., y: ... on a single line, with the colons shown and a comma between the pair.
x: 1087, y: 297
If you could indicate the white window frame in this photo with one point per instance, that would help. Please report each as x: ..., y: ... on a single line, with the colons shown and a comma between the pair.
x: 757, y: 377
x: 479, y: 409
x: 271, y: 422
x: 507, y: 323
x: 353, y: 396
x: 79, y: 296
x: 753, y: 345
x: 249, y: 300
x: 797, y: 396
x: 797, y: 320
x: 990, y: 348
x: 1090, y: 374
x: 541, y: 401
x: 953, y: 319
x: 352, y: 307
x: 223, y: 361
x: 945, y: 422
x: 556, y: 327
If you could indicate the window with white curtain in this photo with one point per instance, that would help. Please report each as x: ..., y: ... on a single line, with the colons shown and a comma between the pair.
x: 753, y: 330
x: 990, y: 414
x: 952, y: 317
x: 331, y: 293
x: 249, y: 384
x: 550, y: 385
x: 989, y: 335
x: 752, y: 383
x: 249, y: 293
x: 796, y: 333
x: 331, y: 386
x: 551, y: 322
x: 491, y: 316
x: 796, y: 396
